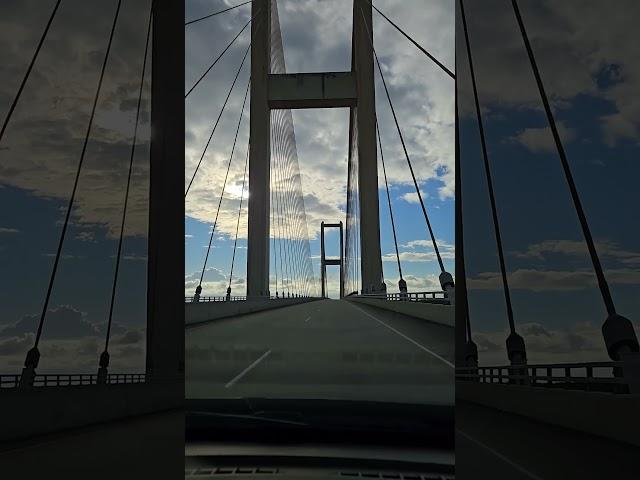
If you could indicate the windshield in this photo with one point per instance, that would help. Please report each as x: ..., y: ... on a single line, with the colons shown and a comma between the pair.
x: 319, y: 252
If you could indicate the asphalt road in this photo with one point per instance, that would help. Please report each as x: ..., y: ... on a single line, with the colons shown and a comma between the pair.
x: 323, y: 349
x: 513, y: 447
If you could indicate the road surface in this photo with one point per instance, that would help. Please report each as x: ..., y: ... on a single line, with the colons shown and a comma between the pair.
x: 324, y: 349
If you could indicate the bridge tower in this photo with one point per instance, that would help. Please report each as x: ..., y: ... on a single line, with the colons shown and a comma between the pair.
x: 324, y: 261
x: 353, y: 89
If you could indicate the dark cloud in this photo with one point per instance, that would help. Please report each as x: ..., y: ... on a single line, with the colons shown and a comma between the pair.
x: 63, y: 322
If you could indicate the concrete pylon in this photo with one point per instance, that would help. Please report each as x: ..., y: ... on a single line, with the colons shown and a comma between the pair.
x: 354, y: 89
x: 365, y: 123
x: 259, y: 151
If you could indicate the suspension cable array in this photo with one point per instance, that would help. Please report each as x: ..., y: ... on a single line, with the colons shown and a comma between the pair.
x: 618, y: 332
x: 217, y: 121
x: 352, y: 230
x: 406, y: 153
x: 104, y: 357
x: 29, y: 68
x: 235, y: 242
x: 289, y: 228
x: 33, y: 355
x: 470, y: 353
x: 190, y: 22
x: 219, y: 57
x: 515, y: 343
x: 224, y: 184
x: 393, y: 225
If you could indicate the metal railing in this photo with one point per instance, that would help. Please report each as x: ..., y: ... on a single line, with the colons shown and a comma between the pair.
x: 71, y: 379
x: 589, y: 376
x: 223, y: 298
x: 425, y: 297
x: 236, y: 298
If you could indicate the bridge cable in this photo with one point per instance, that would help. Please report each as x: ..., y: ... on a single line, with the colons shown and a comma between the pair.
x: 219, y: 57
x: 216, y: 13
x: 602, y: 281
x: 434, y: 59
x: 404, y: 147
x: 73, y: 193
x: 272, y: 228
x: 487, y: 171
x: 29, y: 68
x: 235, y: 243
x: 126, y: 195
x: 386, y: 184
x: 461, y: 274
x: 217, y: 121
x: 224, y: 184
x: 284, y: 269
x: 351, y: 178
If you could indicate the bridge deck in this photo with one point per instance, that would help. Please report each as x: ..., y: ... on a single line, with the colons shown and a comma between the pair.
x: 323, y: 349
x: 519, y: 448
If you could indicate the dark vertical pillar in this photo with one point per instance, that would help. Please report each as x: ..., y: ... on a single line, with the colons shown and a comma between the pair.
x: 165, y: 285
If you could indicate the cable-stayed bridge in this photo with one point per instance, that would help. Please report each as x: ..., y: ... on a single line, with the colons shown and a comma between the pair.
x: 284, y: 329
x: 279, y: 332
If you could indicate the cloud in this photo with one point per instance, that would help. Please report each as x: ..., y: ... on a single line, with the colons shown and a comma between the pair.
x: 541, y: 139
x: 545, y: 344
x: 412, y: 197
x: 16, y: 345
x: 76, y: 354
x: 43, y: 141
x: 575, y: 248
x: 61, y: 322
x: 588, y: 52
x: 9, y: 230
x: 551, y: 280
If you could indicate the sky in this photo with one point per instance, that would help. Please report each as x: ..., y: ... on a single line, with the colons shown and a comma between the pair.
x: 39, y: 155
x: 316, y: 37
x: 588, y: 63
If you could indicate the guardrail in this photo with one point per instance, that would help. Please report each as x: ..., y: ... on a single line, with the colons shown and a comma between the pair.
x: 591, y: 376
x: 72, y: 379
x: 237, y: 298
x: 424, y: 297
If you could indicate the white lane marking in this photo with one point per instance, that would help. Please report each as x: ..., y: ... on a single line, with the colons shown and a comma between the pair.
x: 247, y: 370
x: 500, y: 456
x: 442, y: 359
x: 307, y: 319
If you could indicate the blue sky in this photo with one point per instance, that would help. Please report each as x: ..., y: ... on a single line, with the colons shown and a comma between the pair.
x: 591, y: 77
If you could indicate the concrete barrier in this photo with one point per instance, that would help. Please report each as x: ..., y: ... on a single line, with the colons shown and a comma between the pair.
x: 42, y: 410
x: 432, y: 312
x: 202, y: 312
x: 603, y: 414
